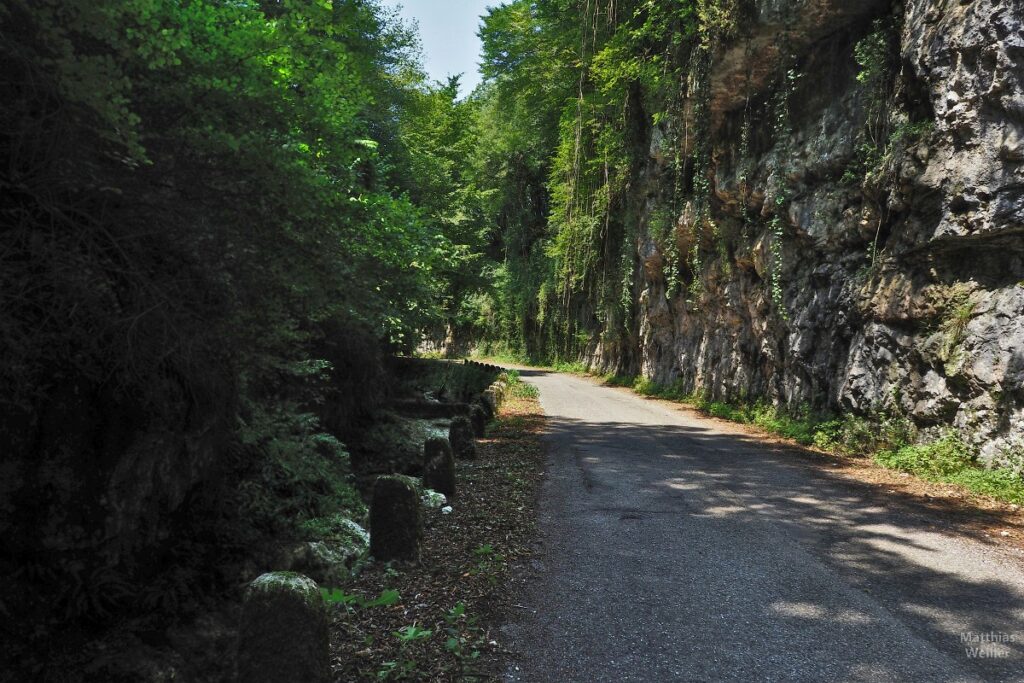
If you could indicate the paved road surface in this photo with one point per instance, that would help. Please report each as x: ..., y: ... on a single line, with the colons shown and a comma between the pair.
x: 679, y: 549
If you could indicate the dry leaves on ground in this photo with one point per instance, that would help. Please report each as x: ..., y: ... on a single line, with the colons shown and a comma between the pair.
x: 442, y: 624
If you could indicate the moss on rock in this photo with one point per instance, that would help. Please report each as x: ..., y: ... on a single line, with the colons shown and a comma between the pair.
x: 490, y: 400
x: 433, y: 500
x: 336, y: 528
x: 283, y: 634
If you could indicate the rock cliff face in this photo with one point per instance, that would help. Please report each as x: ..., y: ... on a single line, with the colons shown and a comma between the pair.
x: 864, y: 246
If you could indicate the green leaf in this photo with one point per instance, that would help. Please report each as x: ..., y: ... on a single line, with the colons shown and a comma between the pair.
x: 387, y: 597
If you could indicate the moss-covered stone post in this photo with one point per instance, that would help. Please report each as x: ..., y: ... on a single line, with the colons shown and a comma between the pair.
x: 439, y: 467
x: 283, y: 635
x: 396, y: 520
x: 478, y: 418
x: 460, y: 435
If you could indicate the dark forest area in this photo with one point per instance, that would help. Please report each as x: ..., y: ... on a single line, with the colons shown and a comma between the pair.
x: 220, y: 221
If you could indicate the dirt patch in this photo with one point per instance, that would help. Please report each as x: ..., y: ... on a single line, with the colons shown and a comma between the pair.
x: 442, y: 626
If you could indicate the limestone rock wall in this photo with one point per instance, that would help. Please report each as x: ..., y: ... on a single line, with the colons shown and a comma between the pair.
x: 901, y: 284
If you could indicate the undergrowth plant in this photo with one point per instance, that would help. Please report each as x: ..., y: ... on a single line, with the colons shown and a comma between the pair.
x: 941, y: 458
x: 405, y: 667
x: 302, y: 473
x: 352, y: 601
x: 517, y: 388
x: 489, y: 563
x: 875, y: 55
x: 958, y: 316
x: 463, y: 636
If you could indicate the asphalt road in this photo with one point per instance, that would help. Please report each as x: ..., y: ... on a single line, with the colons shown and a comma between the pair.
x: 676, y: 548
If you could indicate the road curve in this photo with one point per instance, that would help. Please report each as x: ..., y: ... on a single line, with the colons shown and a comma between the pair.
x: 679, y: 549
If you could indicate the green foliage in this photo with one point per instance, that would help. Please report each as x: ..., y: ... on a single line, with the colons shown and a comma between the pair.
x: 946, y: 456
x: 798, y: 426
x: 1001, y: 484
x: 875, y: 56
x: 301, y: 473
x: 619, y: 380
x: 489, y: 563
x: 853, y: 435
x: 879, y: 143
x: 517, y: 387
x: 588, y: 81
x: 671, y: 392
x: 647, y: 387
x: 775, y: 227
x: 958, y: 317
x: 781, y: 129
x: 405, y: 666
x: 575, y: 367
x: 352, y: 601
x: 463, y: 635
x: 866, y: 158
x: 296, y: 162
x: 850, y: 434
x: 499, y: 353
x: 949, y: 459
x: 907, y: 133
x: 408, y: 634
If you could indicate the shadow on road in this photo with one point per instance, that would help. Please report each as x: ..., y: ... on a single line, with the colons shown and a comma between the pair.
x: 892, y: 547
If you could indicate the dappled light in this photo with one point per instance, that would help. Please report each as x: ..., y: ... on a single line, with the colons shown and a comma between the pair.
x: 865, y: 580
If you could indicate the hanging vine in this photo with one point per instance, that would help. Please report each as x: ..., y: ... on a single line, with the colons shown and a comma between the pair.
x: 746, y: 169
x: 781, y: 130
x: 699, y: 86
x: 668, y: 223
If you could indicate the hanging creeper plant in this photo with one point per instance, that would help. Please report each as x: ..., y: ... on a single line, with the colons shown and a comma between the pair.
x: 700, y: 91
x: 781, y: 128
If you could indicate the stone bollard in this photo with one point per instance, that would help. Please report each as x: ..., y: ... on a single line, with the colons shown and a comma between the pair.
x: 490, y: 399
x: 481, y: 401
x: 439, y: 467
x: 460, y: 435
x: 283, y: 636
x: 478, y: 417
x: 396, y: 521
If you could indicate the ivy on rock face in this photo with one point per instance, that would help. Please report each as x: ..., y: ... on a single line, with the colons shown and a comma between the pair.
x: 593, y: 80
